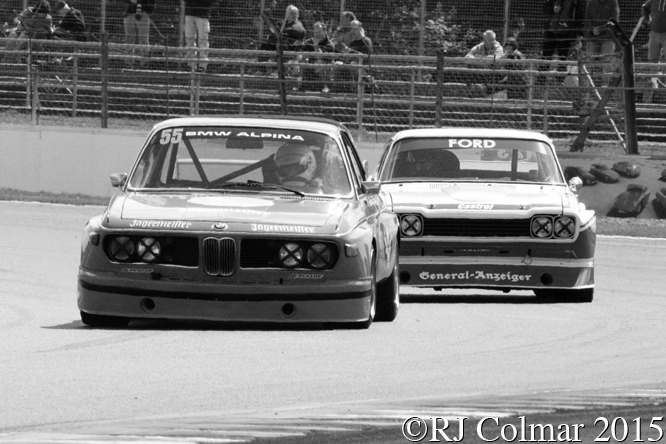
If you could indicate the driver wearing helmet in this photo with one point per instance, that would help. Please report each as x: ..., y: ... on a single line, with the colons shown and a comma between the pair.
x: 296, y: 167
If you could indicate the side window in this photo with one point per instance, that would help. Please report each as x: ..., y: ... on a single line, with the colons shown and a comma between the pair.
x: 359, y: 173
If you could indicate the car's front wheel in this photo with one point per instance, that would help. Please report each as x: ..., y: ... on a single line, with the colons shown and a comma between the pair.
x: 102, y: 321
x: 388, y: 297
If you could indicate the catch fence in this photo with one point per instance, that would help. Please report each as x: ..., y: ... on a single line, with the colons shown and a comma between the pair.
x: 401, y: 27
x: 377, y: 94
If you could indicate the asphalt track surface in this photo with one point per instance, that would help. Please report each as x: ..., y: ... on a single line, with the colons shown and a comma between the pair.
x: 462, y: 352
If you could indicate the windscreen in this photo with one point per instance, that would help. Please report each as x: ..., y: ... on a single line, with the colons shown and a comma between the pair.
x: 243, y: 159
x: 487, y: 160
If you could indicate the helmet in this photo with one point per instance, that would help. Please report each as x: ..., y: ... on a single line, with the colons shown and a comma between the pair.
x: 295, y: 159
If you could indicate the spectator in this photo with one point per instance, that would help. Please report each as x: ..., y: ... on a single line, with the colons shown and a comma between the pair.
x: 515, y: 82
x: 347, y: 78
x: 359, y: 43
x: 197, y: 28
x: 487, y: 51
x: 598, y: 36
x: 565, y: 19
x: 342, y: 36
x: 319, y: 43
x: 292, y: 33
x: 71, y: 26
x: 654, y: 13
x: 484, y: 54
x: 33, y: 23
x: 137, y: 24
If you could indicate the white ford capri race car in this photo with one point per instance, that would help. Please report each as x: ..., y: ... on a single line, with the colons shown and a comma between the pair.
x: 488, y: 208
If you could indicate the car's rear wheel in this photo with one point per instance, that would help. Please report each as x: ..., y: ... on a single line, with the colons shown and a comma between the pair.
x: 94, y: 320
x: 585, y: 295
x: 388, y: 297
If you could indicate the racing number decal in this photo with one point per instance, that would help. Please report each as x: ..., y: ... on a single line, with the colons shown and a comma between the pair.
x: 169, y: 137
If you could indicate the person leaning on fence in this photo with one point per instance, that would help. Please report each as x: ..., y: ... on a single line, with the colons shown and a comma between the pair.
x: 484, y: 55
x: 514, y: 82
x: 72, y: 26
x: 342, y: 36
x: 347, y: 78
x: 318, y: 76
x: 34, y: 22
x: 562, y: 27
x: 292, y: 34
x: 197, y: 28
x: 137, y: 25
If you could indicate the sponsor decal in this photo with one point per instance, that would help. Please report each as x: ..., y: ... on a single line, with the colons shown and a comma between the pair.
x: 159, y: 224
x: 305, y: 276
x: 208, y: 133
x: 282, y: 228
x: 477, y: 275
x: 251, y: 134
x: 476, y: 206
x: 472, y: 143
x: 136, y: 270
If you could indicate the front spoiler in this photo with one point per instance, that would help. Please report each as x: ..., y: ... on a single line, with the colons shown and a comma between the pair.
x: 421, y: 272
x: 351, y: 303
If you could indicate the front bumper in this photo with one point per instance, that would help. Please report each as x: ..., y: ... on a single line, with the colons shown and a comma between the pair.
x: 478, y: 272
x: 104, y: 295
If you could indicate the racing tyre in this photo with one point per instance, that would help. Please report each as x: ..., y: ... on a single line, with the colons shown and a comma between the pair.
x: 388, y: 297
x: 585, y: 295
x: 94, y: 320
x: 545, y: 295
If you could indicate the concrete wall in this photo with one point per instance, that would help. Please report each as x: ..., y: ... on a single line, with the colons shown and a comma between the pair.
x: 65, y: 160
x: 59, y: 159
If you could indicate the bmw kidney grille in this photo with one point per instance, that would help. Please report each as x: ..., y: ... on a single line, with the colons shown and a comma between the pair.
x: 219, y: 256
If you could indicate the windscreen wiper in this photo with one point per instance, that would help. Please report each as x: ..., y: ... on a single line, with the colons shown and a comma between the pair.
x: 255, y: 184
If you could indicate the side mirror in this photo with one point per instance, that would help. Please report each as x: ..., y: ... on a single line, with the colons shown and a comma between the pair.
x: 118, y: 179
x: 371, y: 187
x: 575, y: 183
x: 366, y: 165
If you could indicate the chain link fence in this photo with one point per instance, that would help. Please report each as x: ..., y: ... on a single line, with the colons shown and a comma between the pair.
x: 415, y: 77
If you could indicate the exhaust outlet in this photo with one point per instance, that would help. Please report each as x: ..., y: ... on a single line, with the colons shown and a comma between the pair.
x: 147, y: 305
x: 289, y: 310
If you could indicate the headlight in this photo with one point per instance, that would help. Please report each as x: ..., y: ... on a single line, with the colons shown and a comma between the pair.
x: 121, y: 248
x: 319, y: 256
x: 411, y: 225
x: 291, y: 255
x: 148, y: 249
x: 542, y: 227
x: 565, y: 227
